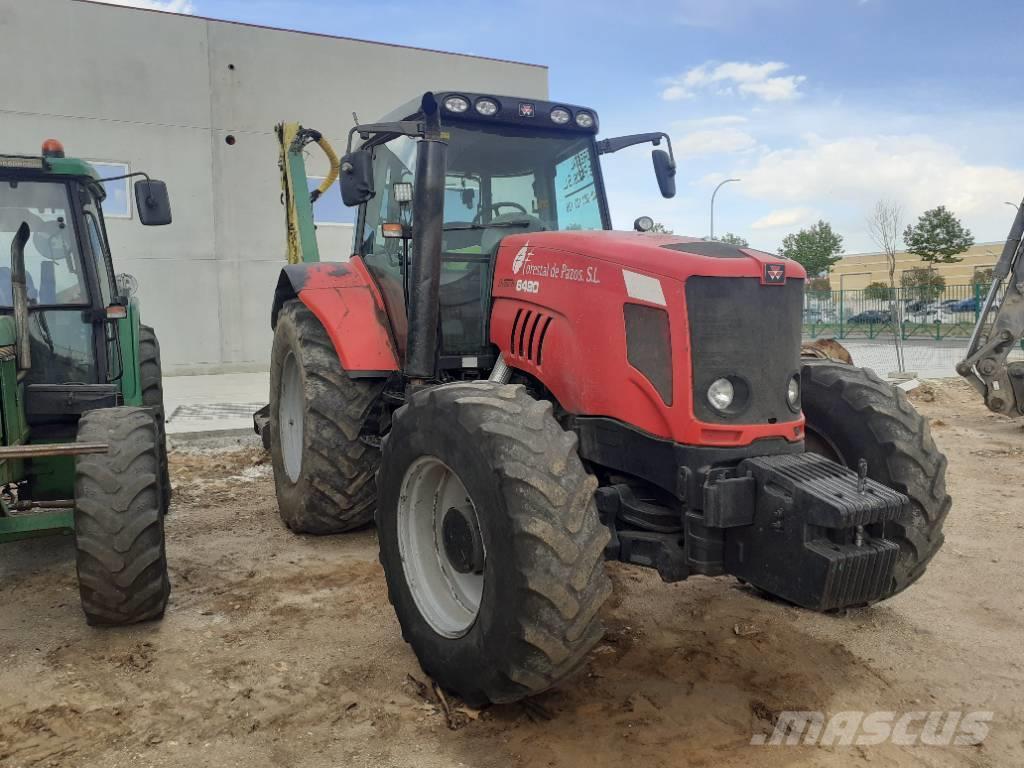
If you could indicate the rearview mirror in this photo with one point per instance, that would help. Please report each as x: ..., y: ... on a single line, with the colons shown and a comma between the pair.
x: 665, y: 171
x: 152, y: 202
x: 357, y: 177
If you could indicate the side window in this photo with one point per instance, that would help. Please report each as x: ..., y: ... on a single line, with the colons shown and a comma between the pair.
x: 98, y: 247
x: 118, y: 203
x: 392, y: 163
x: 576, y: 193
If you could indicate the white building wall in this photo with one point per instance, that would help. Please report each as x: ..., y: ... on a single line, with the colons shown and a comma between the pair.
x: 162, y: 92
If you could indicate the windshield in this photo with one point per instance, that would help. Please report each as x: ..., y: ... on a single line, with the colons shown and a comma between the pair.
x: 499, y: 177
x: 498, y: 173
x: 52, y: 261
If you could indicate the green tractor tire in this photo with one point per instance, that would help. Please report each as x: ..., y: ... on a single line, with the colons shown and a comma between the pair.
x: 119, y: 528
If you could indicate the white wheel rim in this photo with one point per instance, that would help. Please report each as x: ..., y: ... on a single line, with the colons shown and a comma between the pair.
x: 447, y: 599
x: 290, y: 411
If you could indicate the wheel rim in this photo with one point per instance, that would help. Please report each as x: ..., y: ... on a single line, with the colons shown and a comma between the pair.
x: 290, y: 411
x: 448, y: 600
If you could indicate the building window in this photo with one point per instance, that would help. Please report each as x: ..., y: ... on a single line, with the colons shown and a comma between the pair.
x: 118, y: 204
x: 329, y: 209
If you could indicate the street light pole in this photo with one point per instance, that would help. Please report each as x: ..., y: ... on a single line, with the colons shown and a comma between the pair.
x: 713, y: 204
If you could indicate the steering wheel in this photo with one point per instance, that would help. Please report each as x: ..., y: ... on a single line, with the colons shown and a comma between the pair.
x: 493, y: 209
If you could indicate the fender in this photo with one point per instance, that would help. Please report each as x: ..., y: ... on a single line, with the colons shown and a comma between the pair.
x: 346, y: 301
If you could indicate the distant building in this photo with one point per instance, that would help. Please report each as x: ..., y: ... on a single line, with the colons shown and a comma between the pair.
x: 194, y: 102
x: 857, y: 270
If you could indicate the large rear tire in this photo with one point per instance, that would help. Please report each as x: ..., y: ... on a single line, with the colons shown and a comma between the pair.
x: 853, y: 414
x: 119, y: 529
x: 323, y: 468
x: 490, y: 540
x: 151, y: 383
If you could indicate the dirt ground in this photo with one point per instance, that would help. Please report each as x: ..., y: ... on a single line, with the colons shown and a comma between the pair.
x: 280, y: 650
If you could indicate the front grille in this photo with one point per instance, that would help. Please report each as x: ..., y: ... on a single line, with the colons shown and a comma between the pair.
x: 742, y: 329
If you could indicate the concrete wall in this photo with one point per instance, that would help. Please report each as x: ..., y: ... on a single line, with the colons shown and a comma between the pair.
x: 162, y: 93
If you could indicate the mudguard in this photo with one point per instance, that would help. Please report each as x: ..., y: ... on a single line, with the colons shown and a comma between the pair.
x: 346, y: 301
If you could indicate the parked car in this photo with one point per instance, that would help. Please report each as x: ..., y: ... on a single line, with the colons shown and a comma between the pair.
x: 871, y: 316
x: 967, y: 305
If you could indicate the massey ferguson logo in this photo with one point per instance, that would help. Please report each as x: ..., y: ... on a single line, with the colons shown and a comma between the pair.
x: 526, y: 109
x: 775, y: 273
x: 520, y: 260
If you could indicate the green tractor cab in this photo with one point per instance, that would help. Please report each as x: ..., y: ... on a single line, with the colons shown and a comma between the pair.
x: 82, y: 440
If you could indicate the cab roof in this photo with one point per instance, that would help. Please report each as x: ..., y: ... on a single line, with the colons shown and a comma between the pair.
x: 33, y: 165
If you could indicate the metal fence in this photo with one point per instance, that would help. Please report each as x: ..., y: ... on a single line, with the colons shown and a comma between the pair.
x: 947, y: 314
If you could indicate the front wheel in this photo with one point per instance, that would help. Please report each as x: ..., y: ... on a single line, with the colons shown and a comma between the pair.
x: 323, y: 467
x: 490, y: 540
x: 853, y: 414
x: 119, y: 527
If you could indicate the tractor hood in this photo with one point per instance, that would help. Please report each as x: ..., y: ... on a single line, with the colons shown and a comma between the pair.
x: 665, y: 255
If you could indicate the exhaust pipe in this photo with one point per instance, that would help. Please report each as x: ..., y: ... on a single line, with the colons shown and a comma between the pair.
x: 425, y: 269
x: 19, y: 297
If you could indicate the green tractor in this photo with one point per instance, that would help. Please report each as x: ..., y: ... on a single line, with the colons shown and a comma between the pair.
x: 82, y: 441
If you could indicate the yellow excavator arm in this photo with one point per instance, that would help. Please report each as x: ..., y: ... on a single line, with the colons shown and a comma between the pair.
x: 1000, y: 328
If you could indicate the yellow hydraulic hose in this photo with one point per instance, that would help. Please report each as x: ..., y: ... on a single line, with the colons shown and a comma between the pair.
x: 332, y: 175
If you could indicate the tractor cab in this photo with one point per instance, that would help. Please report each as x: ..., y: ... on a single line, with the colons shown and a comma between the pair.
x: 74, y: 301
x: 512, y: 166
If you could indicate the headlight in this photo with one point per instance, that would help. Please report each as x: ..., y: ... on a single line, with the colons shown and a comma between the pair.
x: 793, y: 393
x: 584, y: 120
x: 720, y: 394
x: 456, y: 104
x: 560, y: 116
x: 487, y: 107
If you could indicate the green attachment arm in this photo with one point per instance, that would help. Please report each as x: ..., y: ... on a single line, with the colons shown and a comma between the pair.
x: 302, y: 245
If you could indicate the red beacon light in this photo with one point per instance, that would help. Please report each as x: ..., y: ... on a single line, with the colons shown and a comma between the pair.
x: 53, y: 148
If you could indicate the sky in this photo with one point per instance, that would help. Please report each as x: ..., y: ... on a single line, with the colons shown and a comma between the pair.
x: 820, y: 107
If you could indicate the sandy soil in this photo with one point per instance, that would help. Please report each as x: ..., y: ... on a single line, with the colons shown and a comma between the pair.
x: 279, y: 650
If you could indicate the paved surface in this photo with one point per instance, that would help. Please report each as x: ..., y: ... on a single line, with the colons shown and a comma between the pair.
x: 214, y: 403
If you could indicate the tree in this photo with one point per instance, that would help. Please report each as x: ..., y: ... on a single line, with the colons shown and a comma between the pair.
x: 731, y: 239
x: 819, y: 285
x: 661, y: 229
x: 937, y: 237
x: 884, y: 224
x: 877, y: 291
x: 982, y: 276
x: 816, y: 248
x: 922, y: 284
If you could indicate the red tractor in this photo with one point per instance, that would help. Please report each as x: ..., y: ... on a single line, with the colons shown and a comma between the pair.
x: 516, y: 394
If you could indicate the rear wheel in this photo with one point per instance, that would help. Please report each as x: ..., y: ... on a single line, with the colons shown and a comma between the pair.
x: 323, y: 468
x: 853, y: 414
x: 151, y: 382
x: 119, y: 529
x: 490, y: 540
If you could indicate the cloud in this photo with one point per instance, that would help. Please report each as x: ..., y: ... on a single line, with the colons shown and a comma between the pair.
x: 784, y: 217
x: 761, y: 81
x: 171, y: 6
x: 916, y: 169
x: 713, y: 141
x: 842, y: 178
